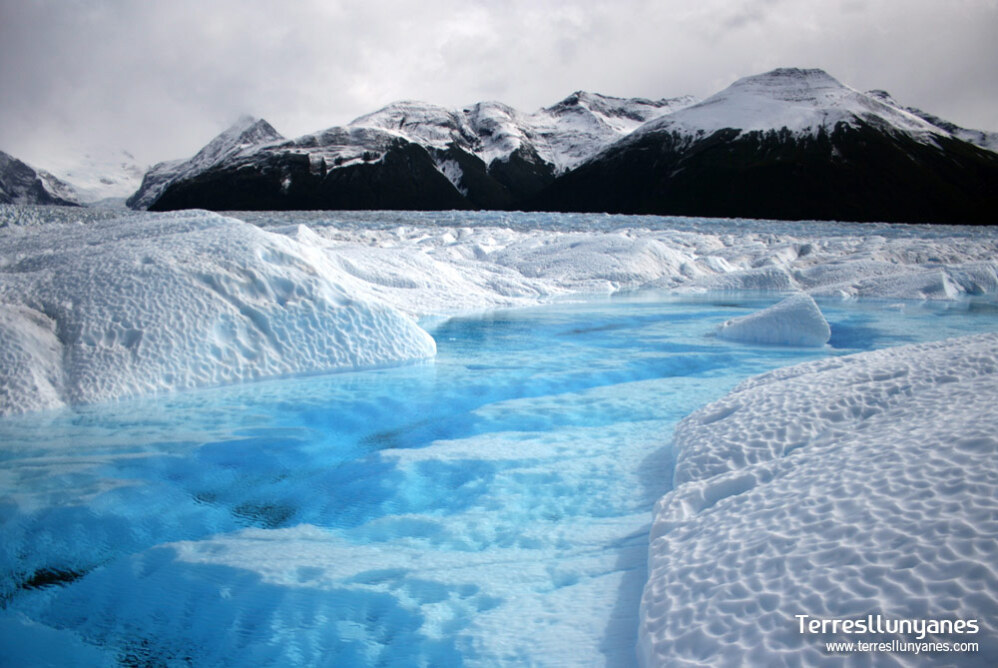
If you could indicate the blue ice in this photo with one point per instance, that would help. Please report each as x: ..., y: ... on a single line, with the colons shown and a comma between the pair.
x: 488, y: 508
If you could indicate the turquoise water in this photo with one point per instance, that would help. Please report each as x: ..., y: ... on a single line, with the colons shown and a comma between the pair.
x: 488, y: 508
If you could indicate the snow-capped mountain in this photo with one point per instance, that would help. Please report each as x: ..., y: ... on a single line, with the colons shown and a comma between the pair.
x: 485, y: 155
x: 802, y: 101
x: 21, y: 183
x: 789, y: 143
x: 244, y: 136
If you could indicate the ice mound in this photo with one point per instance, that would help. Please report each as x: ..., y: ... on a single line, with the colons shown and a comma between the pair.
x: 152, y: 303
x: 795, y: 321
x: 841, y: 488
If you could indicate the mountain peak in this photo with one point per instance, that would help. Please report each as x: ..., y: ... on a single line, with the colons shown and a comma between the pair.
x: 786, y: 74
x: 249, y: 129
x: 392, y: 114
x: 245, y: 135
x: 245, y: 132
x: 420, y: 122
x: 799, y: 100
x: 790, y: 84
x: 587, y: 100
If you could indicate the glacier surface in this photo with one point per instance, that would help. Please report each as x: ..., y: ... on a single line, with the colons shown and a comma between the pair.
x: 104, y: 306
x: 153, y: 303
x: 840, y: 488
x: 844, y: 486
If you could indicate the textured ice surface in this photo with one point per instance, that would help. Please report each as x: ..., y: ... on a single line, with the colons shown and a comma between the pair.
x: 849, y: 486
x: 795, y: 321
x: 440, y: 263
x: 323, y: 290
x: 152, y: 303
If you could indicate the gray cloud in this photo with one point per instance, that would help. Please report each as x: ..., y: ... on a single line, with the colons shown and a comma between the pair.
x: 161, y: 78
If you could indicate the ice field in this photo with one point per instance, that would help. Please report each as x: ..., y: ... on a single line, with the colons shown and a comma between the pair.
x: 489, y: 504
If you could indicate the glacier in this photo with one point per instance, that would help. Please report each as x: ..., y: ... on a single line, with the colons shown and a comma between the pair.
x: 467, y: 523
x: 132, y: 304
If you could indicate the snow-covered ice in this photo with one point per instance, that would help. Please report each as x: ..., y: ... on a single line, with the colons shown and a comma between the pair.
x: 439, y: 263
x: 795, y: 321
x: 153, y: 303
x: 146, y: 303
x: 838, y: 488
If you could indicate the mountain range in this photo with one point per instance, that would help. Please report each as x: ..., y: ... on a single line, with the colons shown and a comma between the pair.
x: 789, y: 144
x: 408, y: 155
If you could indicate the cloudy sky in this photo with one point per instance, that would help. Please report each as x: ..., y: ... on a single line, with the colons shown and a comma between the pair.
x: 161, y: 78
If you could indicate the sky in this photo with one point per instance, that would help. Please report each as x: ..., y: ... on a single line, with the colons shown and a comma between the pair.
x: 161, y: 78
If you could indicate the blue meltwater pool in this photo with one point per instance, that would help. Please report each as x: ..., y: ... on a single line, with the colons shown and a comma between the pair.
x: 488, y: 508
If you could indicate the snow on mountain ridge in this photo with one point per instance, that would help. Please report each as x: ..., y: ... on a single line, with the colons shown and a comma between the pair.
x: 421, y: 122
x: 800, y: 100
x: 632, y: 111
x: 981, y: 138
x: 582, y: 124
x: 563, y: 134
x: 246, y: 133
x: 501, y: 129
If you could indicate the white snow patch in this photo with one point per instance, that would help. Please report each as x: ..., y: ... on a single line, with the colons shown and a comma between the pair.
x: 839, y: 488
x: 795, y: 321
x: 454, y: 174
x: 99, y: 173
